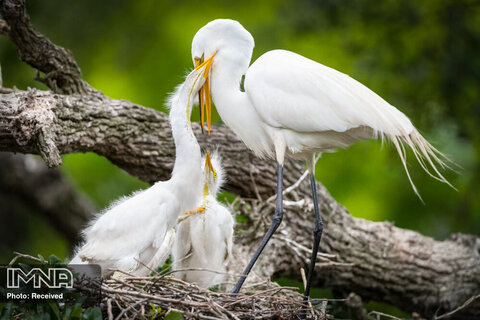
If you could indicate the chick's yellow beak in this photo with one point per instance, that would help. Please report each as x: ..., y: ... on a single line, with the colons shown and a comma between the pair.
x: 209, y: 166
x: 204, y: 94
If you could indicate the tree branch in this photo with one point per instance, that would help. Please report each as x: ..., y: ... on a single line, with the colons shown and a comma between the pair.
x: 135, y: 138
x: 26, y: 179
x: 376, y: 260
x: 62, y: 74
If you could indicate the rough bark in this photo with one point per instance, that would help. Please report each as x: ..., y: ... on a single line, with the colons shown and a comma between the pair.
x: 135, y: 138
x: 376, y: 260
x: 61, y: 71
x: 384, y: 263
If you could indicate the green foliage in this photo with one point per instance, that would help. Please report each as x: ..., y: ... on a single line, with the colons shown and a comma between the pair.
x: 26, y: 231
x: 54, y: 260
x: 92, y: 314
x: 420, y: 56
x: 50, y: 310
x: 6, y: 310
x: 159, y: 313
x: 241, y: 218
x: 98, y: 178
x: 166, y: 267
x: 226, y: 197
x: 71, y: 308
x: 174, y: 316
x: 155, y: 312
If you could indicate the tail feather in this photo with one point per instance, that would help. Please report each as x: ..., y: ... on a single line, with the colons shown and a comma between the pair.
x: 427, y: 156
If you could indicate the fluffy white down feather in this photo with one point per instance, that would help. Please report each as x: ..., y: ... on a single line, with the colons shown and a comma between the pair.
x: 204, y: 241
x: 135, y: 233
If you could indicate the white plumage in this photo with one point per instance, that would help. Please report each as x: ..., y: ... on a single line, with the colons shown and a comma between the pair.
x: 204, y: 240
x: 296, y: 106
x: 293, y: 106
x: 135, y: 234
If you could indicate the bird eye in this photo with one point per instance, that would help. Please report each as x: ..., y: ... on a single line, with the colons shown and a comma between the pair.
x: 198, y: 60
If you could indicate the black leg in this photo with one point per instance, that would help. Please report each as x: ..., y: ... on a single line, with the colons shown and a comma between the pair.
x: 277, y: 219
x: 317, y: 236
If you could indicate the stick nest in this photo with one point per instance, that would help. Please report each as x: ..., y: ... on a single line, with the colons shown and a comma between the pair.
x: 158, y: 296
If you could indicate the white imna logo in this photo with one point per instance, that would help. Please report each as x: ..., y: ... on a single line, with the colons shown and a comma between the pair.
x: 54, y: 278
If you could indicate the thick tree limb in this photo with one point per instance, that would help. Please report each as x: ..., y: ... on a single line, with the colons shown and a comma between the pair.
x: 62, y: 73
x: 135, y: 138
x: 375, y: 260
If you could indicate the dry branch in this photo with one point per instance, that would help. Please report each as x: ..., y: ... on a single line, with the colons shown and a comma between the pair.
x: 375, y: 260
x: 61, y: 71
x: 271, y: 301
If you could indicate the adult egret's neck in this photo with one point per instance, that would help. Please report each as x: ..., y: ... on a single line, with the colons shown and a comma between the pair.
x: 186, y: 175
x: 234, y: 106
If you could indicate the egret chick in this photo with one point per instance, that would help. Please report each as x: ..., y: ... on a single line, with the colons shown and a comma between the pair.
x: 135, y: 234
x: 293, y: 106
x: 204, y: 240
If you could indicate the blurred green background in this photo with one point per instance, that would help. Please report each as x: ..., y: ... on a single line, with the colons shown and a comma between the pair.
x: 421, y: 56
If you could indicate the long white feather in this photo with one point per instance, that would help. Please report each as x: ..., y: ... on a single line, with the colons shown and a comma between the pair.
x: 307, y: 97
x: 135, y: 233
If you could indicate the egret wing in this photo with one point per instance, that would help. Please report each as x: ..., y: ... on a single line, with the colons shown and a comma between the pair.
x: 182, y: 245
x: 125, y: 230
x: 292, y: 92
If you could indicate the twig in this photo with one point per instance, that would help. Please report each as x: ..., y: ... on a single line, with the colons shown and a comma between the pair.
x: 62, y: 73
x: 258, y: 294
x: 323, y: 308
x: 21, y: 255
x: 6, y: 90
x: 109, y: 309
x: 304, y: 278
x: 328, y: 300
x: 378, y: 313
x: 463, y: 306
x: 295, y: 185
x: 198, y: 269
x: 324, y: 256
x: 130, y: 308
x: 151, y: 296
x: 290, y: 188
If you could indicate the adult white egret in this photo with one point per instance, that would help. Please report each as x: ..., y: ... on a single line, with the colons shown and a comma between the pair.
x: 135, y: 233
x: 291, y: 105
x: 204, y: 240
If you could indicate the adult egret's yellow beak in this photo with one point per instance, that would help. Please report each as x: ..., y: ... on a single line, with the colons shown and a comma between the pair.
x: 209, y: 166
x: 204, y: 94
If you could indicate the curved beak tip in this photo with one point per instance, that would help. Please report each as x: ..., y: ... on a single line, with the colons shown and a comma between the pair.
x: 209, y: 166
x: 204, y: 93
